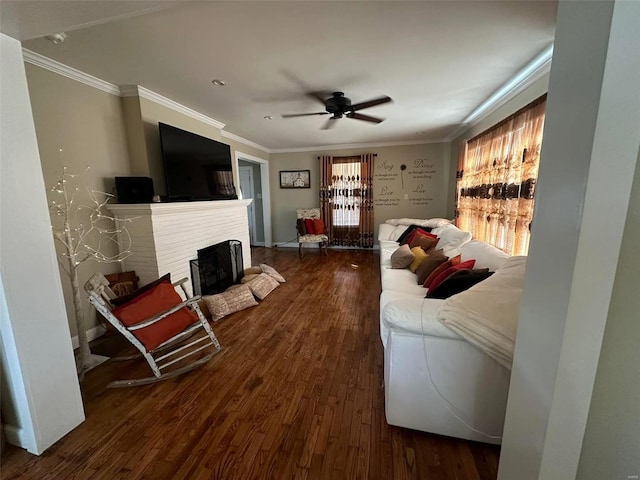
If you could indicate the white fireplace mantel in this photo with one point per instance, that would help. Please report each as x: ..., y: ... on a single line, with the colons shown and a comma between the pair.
x: 166, y: 236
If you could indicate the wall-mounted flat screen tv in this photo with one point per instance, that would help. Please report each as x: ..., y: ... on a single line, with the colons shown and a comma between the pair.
x: 195, y: 167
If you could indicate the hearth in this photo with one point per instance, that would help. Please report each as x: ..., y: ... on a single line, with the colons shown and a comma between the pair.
x: 217, y: 268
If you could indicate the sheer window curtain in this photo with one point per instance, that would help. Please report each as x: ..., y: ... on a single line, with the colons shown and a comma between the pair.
x: 497, y: 172
x: 346, y: 199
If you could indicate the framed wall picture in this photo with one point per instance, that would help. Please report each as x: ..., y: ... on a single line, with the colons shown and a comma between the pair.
x: 295, y: 178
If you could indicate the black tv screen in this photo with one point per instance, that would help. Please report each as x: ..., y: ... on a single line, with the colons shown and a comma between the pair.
x: 195, y: 167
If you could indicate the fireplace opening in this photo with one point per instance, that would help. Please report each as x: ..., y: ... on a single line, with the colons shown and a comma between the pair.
x: 217, y: 268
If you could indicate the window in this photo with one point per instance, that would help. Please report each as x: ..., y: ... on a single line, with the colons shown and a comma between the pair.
x: 497, y: 172
x: 346, y: 201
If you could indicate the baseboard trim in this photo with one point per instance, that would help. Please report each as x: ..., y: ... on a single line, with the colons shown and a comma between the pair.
x: 257, y: 244
x: 92, y: 334
x: 316, y: 245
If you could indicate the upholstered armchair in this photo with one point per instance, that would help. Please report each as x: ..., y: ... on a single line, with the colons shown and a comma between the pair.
x: 310, y: 229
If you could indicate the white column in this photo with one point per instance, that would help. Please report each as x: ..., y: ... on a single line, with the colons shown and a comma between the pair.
x: 589, y: 155
x: 41, y: 399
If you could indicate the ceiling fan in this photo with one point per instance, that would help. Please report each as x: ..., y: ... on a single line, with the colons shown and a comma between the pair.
x: 338, y: 106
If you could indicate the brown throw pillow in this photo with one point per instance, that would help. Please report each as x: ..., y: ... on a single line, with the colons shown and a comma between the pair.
x: 231, y: 301
x: 262, y: 285
x: 441, y: 268
x: 423, y: 241
x: 435, y: 259
x: 402, y: 257
x: 271, y: 272
x: 248, y: 278
x: 127, y: 298
x: 302, y: 230
x: 252, y: 271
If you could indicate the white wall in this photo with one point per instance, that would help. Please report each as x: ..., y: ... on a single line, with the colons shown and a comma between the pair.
x: 37, y: 355
x: 589, y: 154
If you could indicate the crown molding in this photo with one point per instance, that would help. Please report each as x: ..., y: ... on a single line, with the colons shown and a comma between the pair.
x: 527, y: 76
x: 138, y: 91
x: 69, y: 72
x: 244, y: 141
x: 345, y: 146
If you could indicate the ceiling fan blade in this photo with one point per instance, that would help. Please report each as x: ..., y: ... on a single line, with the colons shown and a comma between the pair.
x: 329, y: 124
x: 370, y: 103
x: 319, y: 96
x: 366, y: 118
x: 291, y: 115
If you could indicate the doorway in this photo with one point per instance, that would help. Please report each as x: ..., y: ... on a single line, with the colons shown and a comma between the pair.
x: 253, y: 180
x: 245, y: 174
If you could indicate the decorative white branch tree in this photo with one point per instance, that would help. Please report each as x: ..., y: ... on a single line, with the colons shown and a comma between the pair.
x: 82, y: 225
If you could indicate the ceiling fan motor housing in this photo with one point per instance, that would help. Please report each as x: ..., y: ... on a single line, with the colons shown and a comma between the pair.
x: 338, y: 104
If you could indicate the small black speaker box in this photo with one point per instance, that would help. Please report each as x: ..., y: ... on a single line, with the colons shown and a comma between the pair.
x: 134, y: 189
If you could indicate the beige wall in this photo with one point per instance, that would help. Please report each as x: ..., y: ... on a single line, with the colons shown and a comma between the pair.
x: 424, y: 181
x: 538, y: 88
x: 87, y: 125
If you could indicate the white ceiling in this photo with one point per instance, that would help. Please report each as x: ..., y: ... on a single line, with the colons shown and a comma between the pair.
x: 437, y: 60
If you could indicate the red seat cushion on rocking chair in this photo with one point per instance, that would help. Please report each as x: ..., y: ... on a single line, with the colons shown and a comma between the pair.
x: 152, y: 302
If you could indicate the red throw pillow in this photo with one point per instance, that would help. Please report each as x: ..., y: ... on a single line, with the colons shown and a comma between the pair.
x: 445, y: 274
x: 419, y: 231
x: 308, y: 225
x: 318, y: 226
x: 157, y: 300
x: 439, y: 269
x: 456, y: 260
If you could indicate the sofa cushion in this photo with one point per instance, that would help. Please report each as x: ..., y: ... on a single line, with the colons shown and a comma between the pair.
x: 411, y: 314
x: 400, y: 280
x: 410, y: 234
x: 402, y: 257
x: 385, y: 231
x: 437, y: 271
x: 459, y: 281
x: 423, y: 241
x: 397, y: 232
x: 410, y: 229
x: 429, y: 222
x: 419, y: 256
x: 433, y: 261
x: 449, y: 271
x: 485, y: 255
x: 451, y: 239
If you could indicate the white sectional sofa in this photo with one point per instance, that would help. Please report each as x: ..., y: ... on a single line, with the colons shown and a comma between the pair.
x: 435, y: 380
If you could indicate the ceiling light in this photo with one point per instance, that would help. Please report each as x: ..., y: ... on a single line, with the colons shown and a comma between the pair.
x: 56, y: 38
x: 268, y: 117
x: 218, y: 83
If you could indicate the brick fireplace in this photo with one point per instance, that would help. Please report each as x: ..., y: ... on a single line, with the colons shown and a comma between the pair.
x: 167, y: 236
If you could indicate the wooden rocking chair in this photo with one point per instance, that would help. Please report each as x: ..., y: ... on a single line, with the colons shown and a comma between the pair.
x: 158, y: 344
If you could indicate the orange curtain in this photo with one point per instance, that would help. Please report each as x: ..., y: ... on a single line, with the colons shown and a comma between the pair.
x: 346, y: 199
x: 496, y: 181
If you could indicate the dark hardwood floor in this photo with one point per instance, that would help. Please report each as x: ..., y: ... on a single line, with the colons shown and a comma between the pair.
x: 297, y: 392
